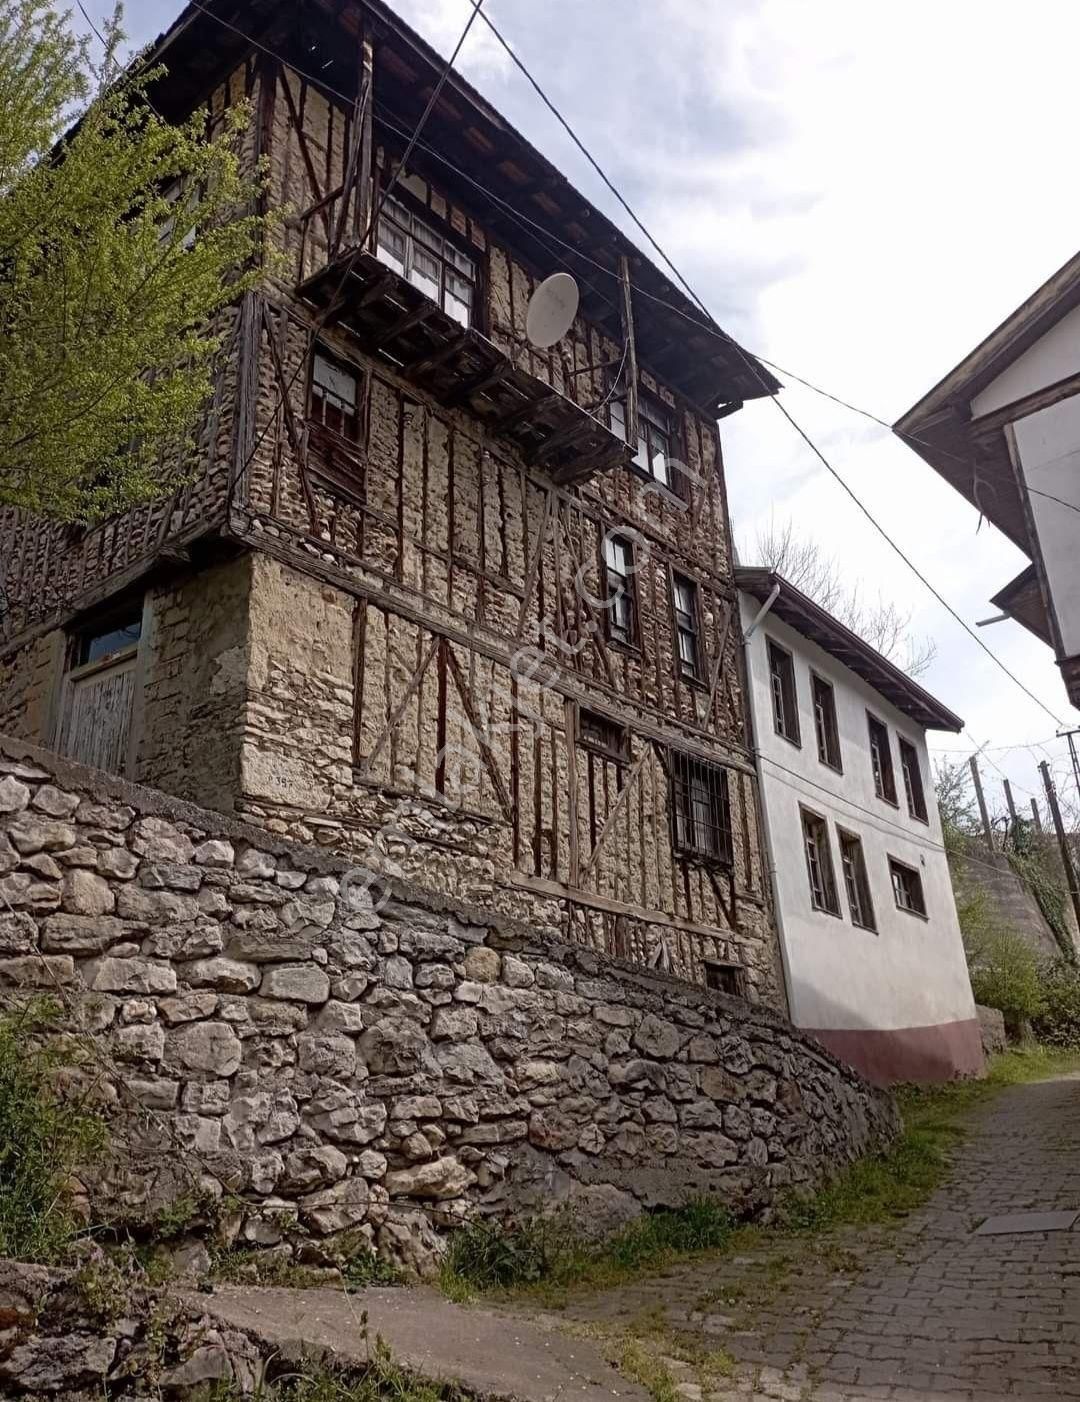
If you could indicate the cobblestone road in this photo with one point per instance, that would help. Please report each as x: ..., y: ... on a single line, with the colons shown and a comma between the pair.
x: 934, y: 1312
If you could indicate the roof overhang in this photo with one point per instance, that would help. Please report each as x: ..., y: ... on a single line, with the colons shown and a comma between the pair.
x: 1022, y: 599
x: 678, y: 342
x: 811, y: 621
x: 972, y: 454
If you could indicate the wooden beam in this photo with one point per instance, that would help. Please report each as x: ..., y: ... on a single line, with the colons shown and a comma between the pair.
x: 534, y: 562
x: 627, y: 315
x: 490, y: 763
x: 436, y: 358
x: 415, y: 682
x: 616, y: 809
x: 543, y: 886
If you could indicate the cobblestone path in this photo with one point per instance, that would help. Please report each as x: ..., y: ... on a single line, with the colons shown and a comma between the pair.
x: 930, y: 1311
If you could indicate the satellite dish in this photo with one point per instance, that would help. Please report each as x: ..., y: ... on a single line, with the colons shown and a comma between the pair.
x: 552, y: 309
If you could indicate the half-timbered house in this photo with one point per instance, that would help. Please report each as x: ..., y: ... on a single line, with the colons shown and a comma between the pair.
x: 429, y: 594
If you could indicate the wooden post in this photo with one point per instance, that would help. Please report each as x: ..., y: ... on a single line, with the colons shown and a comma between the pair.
x: 1036, y: 815
x: 1009, y: 801
x: 976, y: 779
x: 1059, y: 828
x: 631, y: 369
x: 1071, y: 737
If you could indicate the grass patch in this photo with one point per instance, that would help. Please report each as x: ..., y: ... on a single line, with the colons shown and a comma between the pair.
x: 47, y: 1131
x: 549, y: 1255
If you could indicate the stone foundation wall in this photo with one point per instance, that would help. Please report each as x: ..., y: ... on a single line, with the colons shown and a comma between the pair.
x: 388, y: 1071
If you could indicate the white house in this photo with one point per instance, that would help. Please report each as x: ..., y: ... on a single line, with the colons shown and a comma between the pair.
x: 1003, y: 428
x: 872, y: 951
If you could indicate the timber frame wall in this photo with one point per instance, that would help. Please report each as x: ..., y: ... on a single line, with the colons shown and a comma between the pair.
x: 436, y: 547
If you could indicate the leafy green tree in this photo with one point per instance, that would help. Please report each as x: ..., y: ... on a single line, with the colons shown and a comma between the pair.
x: 122, y: 237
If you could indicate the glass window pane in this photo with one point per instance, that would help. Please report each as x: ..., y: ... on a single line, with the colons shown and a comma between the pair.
x: 94, y: 646
x: 391, y: 249
x: 334, y: 380
x: 617, y: 418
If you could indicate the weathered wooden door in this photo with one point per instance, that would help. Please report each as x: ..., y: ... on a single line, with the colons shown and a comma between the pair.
x: 96, y: 720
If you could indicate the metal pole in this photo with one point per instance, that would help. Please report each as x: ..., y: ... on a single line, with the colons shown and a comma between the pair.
x: 1059, y: 828
x: 977, y: 780
x: 1037, y: 816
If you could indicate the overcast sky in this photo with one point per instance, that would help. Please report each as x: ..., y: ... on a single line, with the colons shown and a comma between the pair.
x: 859, y: 192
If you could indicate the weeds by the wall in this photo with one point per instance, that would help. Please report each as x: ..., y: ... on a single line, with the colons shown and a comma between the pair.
x: 47, y: 1131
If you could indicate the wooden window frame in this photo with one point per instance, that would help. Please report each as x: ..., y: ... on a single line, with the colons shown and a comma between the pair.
x: 438, y: 240
x: 911, y: 774
x: 627, y: 589
x: 780, y: 702
x: 857, y: 879
x: 886, y: 791
x: 683, y: 768
x: 904, y: 870
x: 652, y: 407
x: 100, y: 627
x: 321, y: 351
x: 717, y: 970
x: 826, y: 728
x: 619, y: 751
x: 828, y: 901
x: 696, y: 677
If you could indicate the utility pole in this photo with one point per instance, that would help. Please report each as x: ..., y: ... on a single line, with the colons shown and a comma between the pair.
x: 977, y: 780
x: 1071, y: 737
x: 1036, y: 815
x: 1059, y: 828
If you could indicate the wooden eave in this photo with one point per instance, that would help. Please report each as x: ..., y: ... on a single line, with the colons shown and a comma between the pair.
x: 1022, y: 599
x: 811, y: 621
x: 972, y: 454
x: 699, y: 360
x: 391, y: 319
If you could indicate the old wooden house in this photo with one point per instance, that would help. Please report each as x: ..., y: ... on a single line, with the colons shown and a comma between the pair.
x: 429, y: 595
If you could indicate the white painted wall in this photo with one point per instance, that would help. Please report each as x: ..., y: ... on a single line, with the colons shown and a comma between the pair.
x: 1054, y: 357
x: 1047, y: 446
x: 911, y: 972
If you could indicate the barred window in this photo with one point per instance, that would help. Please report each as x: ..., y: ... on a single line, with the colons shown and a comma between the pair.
x: 686, y: 626
x: 819, y: 865
x: 701, y: 809
x: 725, y: 978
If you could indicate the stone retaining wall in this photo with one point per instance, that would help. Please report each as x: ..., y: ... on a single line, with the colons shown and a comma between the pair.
x: 384, y: 1072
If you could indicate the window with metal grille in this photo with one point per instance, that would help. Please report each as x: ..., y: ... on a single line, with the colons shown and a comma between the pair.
x: 725, y: 978
x: 685, y: 598
x: 420, y: 254
x: 825, y: 727
x: 784, y: 696
x: 657, y: 438
x: 701, y: 809
x: 907, y: 888
x: 881, y: 760
x: 912, y: 776
x: 619, y: 595
x: 819, y: 865
x: 856, y: 882
x: 603, y: 736
x: 335, y: 396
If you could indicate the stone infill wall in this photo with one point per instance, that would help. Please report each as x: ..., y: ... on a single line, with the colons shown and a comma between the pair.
x: 388, y: 1073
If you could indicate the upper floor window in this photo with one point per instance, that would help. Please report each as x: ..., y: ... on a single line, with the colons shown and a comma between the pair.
x: 881, y: 760
x: 182, y: 207
x: 912, y: 776
x: 685, y: 598
x: 335, y: 396
x: 784, y: 698
x: 907, y: 887
x: 701, y: 809
x: 819, y: 866
x: 657, y: 438
x: 825, y: 727
x: 856, y: 882
x: 603, y: 736
x: 618, y: 572
x: 107, y: 643
x: 416, y: 250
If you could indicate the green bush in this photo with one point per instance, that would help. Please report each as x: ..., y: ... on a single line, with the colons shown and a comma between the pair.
x: 1058, y: 1021
x: 45, y: 1134
x: 1005, y: 975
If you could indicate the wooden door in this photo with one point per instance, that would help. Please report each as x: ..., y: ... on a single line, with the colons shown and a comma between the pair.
x: 97, y: 707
